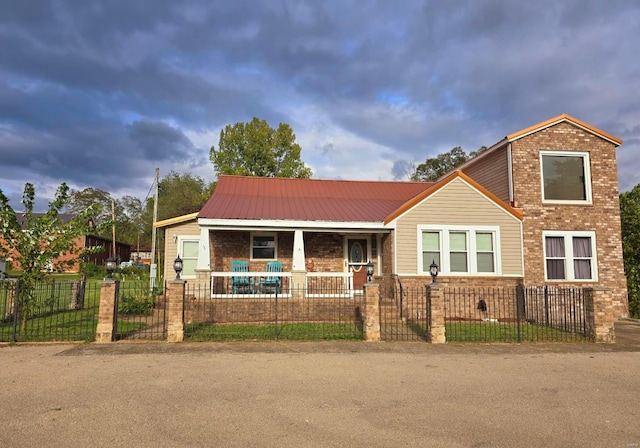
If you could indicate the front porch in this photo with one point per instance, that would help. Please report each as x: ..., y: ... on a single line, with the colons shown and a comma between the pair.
x: 313, y: 263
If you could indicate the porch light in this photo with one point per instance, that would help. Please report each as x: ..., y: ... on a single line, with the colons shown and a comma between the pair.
x: 369, y: 271
x: 433, y: 270
x: 110, y: 264
x: 177, y: 266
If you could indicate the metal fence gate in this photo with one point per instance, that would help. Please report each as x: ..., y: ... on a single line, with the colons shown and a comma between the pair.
x: 404, y: 314
x: 139, y: 312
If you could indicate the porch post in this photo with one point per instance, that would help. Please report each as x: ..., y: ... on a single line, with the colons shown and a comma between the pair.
x: 435, y: 303
x: 298, y: 252
x: 106, y: 313
x: 371, y: 312
x: 298, y: 268
x: 204, y: 252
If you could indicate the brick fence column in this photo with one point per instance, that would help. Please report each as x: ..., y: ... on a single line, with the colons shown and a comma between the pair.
x: 600, y: 314
x: 435, y: 304
x: 371, y: 312
x: 175, y: 310
x: 106, y: 315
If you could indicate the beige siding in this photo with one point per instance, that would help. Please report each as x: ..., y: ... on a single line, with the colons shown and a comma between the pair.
x: 189, y: 228
x: 492, y: 172
x: 458, y: 204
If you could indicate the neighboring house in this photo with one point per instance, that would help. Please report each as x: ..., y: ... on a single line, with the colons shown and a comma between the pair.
x: 490, y: 223
x: 123, y: 250
x: 142, y: 256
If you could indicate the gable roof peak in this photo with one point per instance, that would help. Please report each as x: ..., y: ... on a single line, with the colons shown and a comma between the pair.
x: 559, y: 119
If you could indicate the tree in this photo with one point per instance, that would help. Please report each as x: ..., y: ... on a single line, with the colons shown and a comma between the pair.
x: 630, y: 218
x: 40, y: 241
x: 433, y: 168
x: 256, y: 149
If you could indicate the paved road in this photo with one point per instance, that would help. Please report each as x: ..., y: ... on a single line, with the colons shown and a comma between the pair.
x: 320, y: 395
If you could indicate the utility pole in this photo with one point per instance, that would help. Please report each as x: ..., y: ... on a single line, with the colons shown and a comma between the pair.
x: 154, y: 268
x: 113, y: 229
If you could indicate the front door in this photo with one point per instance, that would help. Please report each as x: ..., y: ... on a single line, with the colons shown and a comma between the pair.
x: 357, y: 260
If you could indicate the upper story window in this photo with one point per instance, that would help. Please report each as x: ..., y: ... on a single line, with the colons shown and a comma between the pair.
x: 566, y: 177
x: 459, y: 250
x: 264, y: 246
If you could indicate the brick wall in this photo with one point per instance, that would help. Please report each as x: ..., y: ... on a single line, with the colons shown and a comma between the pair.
x: 324, y: 252
x: 602, y: 216
x: 247, y: 310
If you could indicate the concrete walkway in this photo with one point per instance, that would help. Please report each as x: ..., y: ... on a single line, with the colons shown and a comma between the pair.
x: 628, y: 332
x: 321, y: 395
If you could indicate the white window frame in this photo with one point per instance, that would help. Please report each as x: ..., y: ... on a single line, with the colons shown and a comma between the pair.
x: 180, y: 251
x: 587, y: 176
x: 275, y: 245
x: 568, y: 254
x: 472, y: 260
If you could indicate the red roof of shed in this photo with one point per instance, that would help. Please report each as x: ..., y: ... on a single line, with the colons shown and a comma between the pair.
x: 265, y: 198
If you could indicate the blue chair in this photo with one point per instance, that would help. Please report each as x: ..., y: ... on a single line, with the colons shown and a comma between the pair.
x: 271, y: 282
x: 241, y: 283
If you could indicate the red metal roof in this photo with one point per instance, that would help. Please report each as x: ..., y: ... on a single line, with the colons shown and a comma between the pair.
x: 266, y: 198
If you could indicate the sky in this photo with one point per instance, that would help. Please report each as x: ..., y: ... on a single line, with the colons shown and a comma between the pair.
x: 99, y: 94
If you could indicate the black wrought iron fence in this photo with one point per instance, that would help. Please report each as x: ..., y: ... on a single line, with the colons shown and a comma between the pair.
x: 141, y: 312
x: 48, y: 311
x: 287, y: 313
x: 515, y: 314
x: 404, y: 313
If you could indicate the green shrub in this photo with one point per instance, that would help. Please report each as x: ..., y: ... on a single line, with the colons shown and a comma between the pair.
x: 136, y: 303
x: 95, y: 271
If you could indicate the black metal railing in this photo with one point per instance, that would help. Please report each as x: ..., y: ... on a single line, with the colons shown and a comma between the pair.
x: 287, y: 313
x: 48, y: 311
x: 542, y: 314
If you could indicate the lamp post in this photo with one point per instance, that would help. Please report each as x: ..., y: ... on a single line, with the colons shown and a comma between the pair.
x: 177, y: 266
x: 433, y: 270
x: 110, y: 265
x: 369, y: 271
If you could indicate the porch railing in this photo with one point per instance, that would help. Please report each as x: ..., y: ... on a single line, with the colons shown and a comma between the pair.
x: 256, y: 284
x: 340, y: 284
x: 253, y: 284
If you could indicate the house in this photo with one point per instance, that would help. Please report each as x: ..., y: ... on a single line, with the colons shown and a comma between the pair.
x: 539, y: 207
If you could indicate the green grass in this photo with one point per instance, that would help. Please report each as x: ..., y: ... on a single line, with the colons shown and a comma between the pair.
x: 52, y: 320
x: 63, y: 326
x: 291, y: 331
x: 505, y: 332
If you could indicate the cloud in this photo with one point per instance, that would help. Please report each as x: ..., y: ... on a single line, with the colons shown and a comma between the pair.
x: 99, y: 94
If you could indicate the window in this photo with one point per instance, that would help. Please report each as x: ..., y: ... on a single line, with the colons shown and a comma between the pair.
x: 570, y: 255
x: 188, y: 251
x: 565, y: 176
x: 430, y: 249
x: 459, y: 250
x: 263, y: 247
x: 485, y: 255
